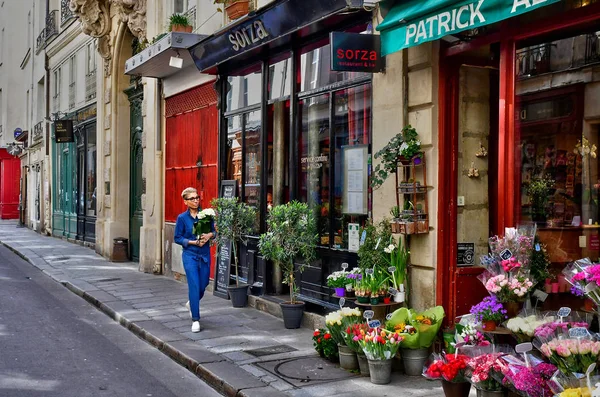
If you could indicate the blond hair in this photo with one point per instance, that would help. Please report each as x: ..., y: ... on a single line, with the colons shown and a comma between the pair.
x: 187, y: 191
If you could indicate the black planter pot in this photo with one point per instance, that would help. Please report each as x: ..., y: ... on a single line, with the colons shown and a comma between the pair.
x: 238, y: 295
x: 292, y: 314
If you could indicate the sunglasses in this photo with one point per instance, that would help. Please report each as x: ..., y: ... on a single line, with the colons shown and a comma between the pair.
x: 193, y: 198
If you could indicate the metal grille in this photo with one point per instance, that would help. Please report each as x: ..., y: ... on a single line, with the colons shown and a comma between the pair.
x: 533, y: 60
x: 65, y: 12
x: 195, y: 98
x: 49, y: 31
x: 592, y: 48
x: 90, y: 85
x: 191, y: 15
x: 38, y: 131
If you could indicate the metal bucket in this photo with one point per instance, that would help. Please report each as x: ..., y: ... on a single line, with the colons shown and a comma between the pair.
x: 363, y: 364
x: 414, y: 360
x: 488, y: 393
x: 348, y: 358
x: 380, y: 371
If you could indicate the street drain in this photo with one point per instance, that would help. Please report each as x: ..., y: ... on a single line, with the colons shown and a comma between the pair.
x: 105, y: 280
x: 305, y: 370
x: 267, y: 351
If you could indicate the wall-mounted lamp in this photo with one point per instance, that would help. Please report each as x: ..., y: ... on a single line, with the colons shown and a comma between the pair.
x: 176, y: 61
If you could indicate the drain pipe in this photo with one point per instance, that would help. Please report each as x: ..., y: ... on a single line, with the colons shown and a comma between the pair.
x: 158, y: 179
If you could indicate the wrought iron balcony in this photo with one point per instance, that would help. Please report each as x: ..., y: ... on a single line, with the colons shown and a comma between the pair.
x: 191, y: 15
x: 65, y: 12
x: 531, y: 61
x: 592, y: 48
x: 90, y: 85
x: 49, y: 31
x: 38, y: 131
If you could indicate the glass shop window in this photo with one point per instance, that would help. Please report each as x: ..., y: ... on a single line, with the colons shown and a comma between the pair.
x: 244, y: 90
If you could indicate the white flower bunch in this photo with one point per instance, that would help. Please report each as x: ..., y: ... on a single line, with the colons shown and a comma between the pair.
x: 355, y: 270
x: 334, y: 318
x: 527, y: 325
x: 389, y: 249
x: 348, y: 312
x: 206, y: 212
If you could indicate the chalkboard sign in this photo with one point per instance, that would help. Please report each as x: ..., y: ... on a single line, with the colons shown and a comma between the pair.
x: 63, y: 131
x: 224, y: 259
x: 223, y: 271
x: 228, y: 189
x: 465, y: 254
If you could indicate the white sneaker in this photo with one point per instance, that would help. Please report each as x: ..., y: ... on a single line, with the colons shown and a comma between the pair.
x: 196, y: 326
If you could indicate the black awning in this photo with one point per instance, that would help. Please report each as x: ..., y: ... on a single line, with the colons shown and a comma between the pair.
x: 272, y: 27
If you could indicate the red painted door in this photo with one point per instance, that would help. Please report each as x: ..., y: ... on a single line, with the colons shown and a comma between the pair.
x: 191, y: 149
x: 10, y: 175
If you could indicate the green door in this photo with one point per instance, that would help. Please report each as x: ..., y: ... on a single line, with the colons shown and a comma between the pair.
x: 136, y: 184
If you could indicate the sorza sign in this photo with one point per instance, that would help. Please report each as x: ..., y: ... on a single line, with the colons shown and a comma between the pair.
x: 463, y: 15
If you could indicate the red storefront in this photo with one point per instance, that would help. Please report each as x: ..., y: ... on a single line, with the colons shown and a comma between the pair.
x: 10, y: 175
x: 539, y: 99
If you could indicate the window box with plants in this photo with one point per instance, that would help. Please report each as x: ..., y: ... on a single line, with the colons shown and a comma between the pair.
x: 234, y: 9
x: 180, y: 23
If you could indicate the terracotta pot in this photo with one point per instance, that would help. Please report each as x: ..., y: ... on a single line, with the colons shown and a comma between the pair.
x: 460, y: 389
x: 181, y: 28
x: 489, y: 325
x: 237, y: 9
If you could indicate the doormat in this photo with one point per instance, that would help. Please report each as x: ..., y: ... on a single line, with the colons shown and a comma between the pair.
x: 267, y: 351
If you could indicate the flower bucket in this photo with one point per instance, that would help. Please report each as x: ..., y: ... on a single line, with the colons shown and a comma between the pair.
x: 348, y: 358
x: 399, y: 297
x: 381, y: 371
x: 489, y: 325
x: 489, y: 393
x: 374, y: 300
x: 340, y: 291
x: 460, y: 389
x: 363, y: 299
x: 363, y: 364
x: 414, y: 360
x: 512, y: 308
x: 387, y: 300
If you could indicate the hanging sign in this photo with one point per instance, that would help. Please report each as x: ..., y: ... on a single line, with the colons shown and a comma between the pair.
x: 63, y: 131
x: 356, y: 52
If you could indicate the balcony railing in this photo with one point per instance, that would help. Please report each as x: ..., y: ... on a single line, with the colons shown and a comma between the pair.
x: 49, y: 31
x: 38, y: 131
x: 191, y: 15
x: 72, y: 95
x: 531, y: 61
x: 90, y: 85
x: 65, y: 12
x: 592, y: 48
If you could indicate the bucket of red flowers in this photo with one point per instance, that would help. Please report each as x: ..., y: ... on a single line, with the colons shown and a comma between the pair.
x: 450, y: 369
x: 325, y: 345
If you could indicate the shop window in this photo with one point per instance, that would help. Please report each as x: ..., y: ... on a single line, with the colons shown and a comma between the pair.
x: 253, y: 162
x: 90, y: 200
x: 280, y: 80
x: 243, y: 91
x: 314, y: 164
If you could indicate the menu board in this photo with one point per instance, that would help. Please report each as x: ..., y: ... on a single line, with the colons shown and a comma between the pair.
x: 223, y: 270
x: 355, y: 179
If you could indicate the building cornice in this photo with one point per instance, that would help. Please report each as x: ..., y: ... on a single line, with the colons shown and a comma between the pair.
x: 69, y: 35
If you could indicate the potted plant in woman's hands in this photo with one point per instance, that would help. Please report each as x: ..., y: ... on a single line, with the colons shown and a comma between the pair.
x: 234, y: 8
x: 291, y: 234
x: 234, y: 221
x: 180, y: 23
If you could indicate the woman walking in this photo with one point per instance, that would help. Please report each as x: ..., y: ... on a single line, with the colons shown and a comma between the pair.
x: 196, y: 252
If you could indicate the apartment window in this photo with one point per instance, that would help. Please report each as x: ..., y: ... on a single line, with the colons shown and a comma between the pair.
x: 29, y: 28
x: 56, y: 97
x: 91, y: 57
x: 180, y: 6
x: 72, y: 77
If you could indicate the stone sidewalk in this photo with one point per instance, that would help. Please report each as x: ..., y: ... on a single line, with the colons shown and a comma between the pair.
x: 240, y: 352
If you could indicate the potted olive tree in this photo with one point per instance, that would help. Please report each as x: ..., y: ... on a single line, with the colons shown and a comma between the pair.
x: 235, y: 220
x: 291, y: 234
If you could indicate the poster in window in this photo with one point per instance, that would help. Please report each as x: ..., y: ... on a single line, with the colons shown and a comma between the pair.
x: 355, y: 179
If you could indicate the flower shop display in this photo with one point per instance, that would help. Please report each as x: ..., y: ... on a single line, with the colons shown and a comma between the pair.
x: 549, y: 329
x: 234, y: 221
x: 420, y: 330
x: 354, y: 276
x: 353, y: 334
x: 489, y: 312
x: 527, y: 380
x: 485, y: 371
x: 575, y: 386
x: 571, y: 355
x: 584, y: 276
x: 338, y: 281
x: 523, y: 327
x: 325, y: 345
x: 398, y: 261
x: 291, y: 235
x: 380, y: 346
x: 337, y: 322
x: 450, y: 369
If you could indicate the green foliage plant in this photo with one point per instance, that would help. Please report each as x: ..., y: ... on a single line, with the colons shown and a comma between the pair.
x: 539, y: 263
x: 291, y: 234
x: 234, y: 222
x: 178, y: 19
x: 538, y: 192
x: 404, y: 144
x: 371, y: 253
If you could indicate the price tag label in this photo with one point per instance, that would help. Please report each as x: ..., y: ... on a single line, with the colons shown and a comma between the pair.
x: 392, y: 269
x: 374, y: 323
x: 344, y: 266
x: 578, y: 332
x: 342, y: 302
x: 523, y: 347
x: 369, y: 272
x: 564, y: 312
x: 378, y: 242
x: 506, y: 254
x: 540, y: 295
x: 537, y: 247
x: 393, y: 291
x: 368, y: 314
x: 363, y: 237
x: 389, y: 316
